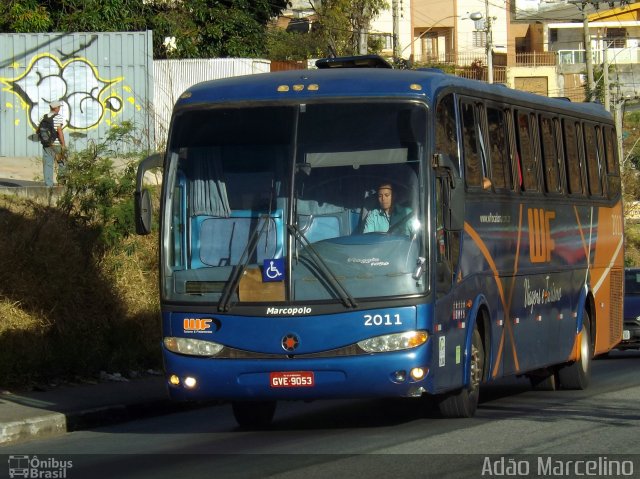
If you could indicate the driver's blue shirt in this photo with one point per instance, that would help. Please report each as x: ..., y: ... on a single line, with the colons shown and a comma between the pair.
x: 378, y: 221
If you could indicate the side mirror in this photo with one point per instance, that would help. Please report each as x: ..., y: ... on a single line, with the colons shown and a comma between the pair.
x: 142, y: 198
x: 142, y: 208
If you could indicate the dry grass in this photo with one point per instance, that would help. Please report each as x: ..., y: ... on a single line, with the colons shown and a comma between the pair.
x: 68, y: 308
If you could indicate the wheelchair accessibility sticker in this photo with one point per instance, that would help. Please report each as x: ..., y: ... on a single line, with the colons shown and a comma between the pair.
x: 273, y: 270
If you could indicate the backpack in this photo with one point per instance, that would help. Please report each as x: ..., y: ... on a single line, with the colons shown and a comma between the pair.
x: 47, y: 133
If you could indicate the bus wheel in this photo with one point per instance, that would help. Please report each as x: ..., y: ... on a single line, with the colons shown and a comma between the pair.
x: 576, y: 375
x: 463, y: 403
x: 253, y: 414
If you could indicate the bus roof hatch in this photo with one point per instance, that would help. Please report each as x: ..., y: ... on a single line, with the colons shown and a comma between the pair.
x: 363, y: 61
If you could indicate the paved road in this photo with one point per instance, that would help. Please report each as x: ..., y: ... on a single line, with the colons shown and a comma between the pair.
x: 373, y: 438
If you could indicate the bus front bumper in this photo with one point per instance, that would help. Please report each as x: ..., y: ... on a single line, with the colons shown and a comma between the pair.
x: 397, y: 374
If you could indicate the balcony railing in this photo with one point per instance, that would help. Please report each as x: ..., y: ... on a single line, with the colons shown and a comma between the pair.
x: 450, y: 58
x: 627, y: 55
x: 536, y: 59
x: 499, y: 59
x: 480, y: 73
x: 614, y: 55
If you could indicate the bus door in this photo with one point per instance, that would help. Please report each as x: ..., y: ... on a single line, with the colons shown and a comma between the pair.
x: 450, y: 321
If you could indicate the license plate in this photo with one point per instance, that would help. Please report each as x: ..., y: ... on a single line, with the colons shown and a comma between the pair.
x: 292, y: 379
x: 626, y: 334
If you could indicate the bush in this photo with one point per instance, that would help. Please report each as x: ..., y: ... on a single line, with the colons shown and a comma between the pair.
x: 99, y: 194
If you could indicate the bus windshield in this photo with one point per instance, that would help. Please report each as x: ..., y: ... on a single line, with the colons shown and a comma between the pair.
x: 304, y: 202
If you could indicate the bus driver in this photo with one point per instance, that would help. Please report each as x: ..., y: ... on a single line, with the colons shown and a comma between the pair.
x: 383, y: 218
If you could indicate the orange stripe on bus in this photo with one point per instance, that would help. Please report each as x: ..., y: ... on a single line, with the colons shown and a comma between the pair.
x: 485, y: 252
x: 584, y: 242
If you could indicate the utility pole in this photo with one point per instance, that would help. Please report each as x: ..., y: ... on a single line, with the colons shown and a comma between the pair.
x: 605, y: 77
x: 489, y: 42
x: 363, y: 33
x: 587, y: 53
x: 396, y: 28
x: 619, y: 112
x: 476, y: 17
x: 362, y: 42
x: 588, y: 59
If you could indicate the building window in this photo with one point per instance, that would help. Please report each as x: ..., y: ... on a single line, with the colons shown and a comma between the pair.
x: 479, y: 39
x: 616, y: 37
x: 385, y: 39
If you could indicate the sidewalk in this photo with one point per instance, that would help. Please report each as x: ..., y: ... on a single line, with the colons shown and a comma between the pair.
x: 27, y: 168
x: 31, y: 415
x: 22, y: 176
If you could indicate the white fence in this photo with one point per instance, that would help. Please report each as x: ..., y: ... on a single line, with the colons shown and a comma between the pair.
x: 173, y: 77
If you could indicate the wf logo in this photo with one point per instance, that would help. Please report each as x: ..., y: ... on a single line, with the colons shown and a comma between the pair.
x: 540, y: 242
x: 196, y: 324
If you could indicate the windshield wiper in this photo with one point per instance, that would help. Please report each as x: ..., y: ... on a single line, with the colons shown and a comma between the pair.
x: 238, y: 270
x: 322, y: 267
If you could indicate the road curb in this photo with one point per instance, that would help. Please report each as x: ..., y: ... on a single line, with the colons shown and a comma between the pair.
x: 32, y: 192
x: 56, y: 424
x: 46, y: 425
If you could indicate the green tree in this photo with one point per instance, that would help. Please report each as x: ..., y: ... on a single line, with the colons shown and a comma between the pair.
x: 283, y: 45
x: 631, y: 142
x: 24, y: 16
x: 630, y: 166
x: 209, y: 28
x: 340, y: 22
x: 197, y: 28
x: 335, y: 31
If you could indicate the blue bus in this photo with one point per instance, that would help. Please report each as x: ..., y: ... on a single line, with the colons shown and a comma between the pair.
x: 284, y: 275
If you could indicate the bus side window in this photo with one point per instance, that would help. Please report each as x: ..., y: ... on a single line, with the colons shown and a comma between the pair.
x: 476, y: 159
x: 613, y: 168
x: 526, y: 147
x: 593, y: 161
x: 572, y: 157
x: 446, y: 132
x: 514, y: 156
x: 483, y: 137
x: 550, y: 155
x: 500, y: 167
x: 602, y: 161
x: 471, y: 148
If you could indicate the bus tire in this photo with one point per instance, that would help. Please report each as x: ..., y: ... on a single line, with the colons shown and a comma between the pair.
x: 253, y: 414
x: 464, y: 402
x: 577, y: 374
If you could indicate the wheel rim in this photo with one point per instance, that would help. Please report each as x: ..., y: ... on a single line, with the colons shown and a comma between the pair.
x: 476, y: 370
x: 584, y: 349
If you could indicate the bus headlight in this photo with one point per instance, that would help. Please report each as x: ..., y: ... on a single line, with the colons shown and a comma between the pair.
x: 394, y: 342
x: 192, y: 347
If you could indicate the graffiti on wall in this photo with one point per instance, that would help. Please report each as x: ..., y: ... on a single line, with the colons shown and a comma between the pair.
x: 87, y: 98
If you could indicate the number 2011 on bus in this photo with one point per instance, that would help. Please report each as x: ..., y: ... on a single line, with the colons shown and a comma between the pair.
x: 382, y: 320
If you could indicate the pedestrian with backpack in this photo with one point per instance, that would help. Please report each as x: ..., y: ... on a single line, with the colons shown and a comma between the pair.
x: 52, y: 138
